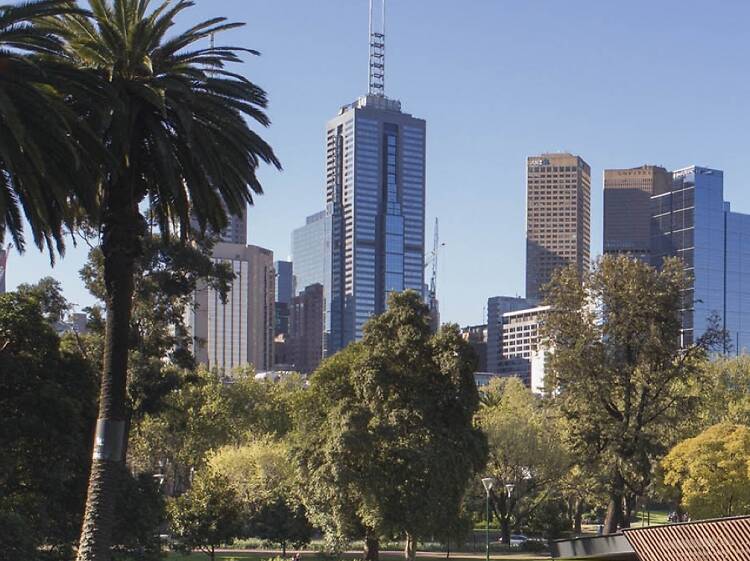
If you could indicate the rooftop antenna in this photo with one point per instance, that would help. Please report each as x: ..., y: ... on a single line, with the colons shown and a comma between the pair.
x: 377, y: 48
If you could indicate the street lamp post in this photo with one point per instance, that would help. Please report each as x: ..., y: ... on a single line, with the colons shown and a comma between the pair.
x: 487, y: 482
x: 509, y: 490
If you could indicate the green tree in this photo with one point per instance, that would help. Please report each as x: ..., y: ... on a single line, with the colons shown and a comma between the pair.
x: 727, y: 393
x: 140, y: 514
x: 167, y: 275
x: 525, y: 450
x: 398, y: 407
x: 48, y: 293
x: 712, y: 471
x: 45, y: 163
x: 42, y: 465
x: 264, y: 478
x: 618, y: 372
x: 207, y: 516
x: 174, y: 127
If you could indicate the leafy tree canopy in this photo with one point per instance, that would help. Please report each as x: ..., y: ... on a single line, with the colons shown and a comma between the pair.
x: 397, y: 407
x: 47, y: 399
x: 207, y: 516
x: 525, y: 450
x: 712, y: 471
x: 617, y: 370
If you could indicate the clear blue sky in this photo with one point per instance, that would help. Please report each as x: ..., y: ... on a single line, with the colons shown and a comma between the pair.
x: 619, y: 83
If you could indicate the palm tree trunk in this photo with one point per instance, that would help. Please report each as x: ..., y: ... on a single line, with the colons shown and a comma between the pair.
x: 120, y: 246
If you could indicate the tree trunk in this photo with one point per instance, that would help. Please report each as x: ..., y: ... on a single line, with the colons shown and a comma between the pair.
x: 505, y: 530
x: 120, y: 246
x: 410, y: 549
x: 631, y: 502
x: 283, y: 549
x: 577, y: 516
x: 614, y: 513
x: 372, y: 548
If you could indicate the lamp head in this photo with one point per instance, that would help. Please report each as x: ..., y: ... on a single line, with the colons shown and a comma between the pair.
x: 488, y: 482
x: 509, y: 488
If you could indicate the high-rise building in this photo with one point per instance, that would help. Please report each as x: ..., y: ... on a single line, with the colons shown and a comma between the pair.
x: 311, y: 251
x: 375, y: 188
x: 496, y: 307
x: 284, y: 294
x: 558, y: 214
x: 306, y: 329
x: 311, y: 256
x: 692, y: 221
x: 627, y: 208
x: 236, y: 230
x: 240, y: 331
x: 284, y: 281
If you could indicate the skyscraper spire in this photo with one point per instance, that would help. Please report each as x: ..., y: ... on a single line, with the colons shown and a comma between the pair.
x: 377, y: 48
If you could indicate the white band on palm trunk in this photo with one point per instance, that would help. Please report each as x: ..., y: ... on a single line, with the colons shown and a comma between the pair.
x: 108, y: 440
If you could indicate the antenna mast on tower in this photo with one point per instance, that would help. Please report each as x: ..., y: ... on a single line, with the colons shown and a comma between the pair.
x: 376, y: 85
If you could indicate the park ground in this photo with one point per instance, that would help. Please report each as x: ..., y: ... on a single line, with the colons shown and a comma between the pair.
x: 239, y: 555
x: 656, y: 517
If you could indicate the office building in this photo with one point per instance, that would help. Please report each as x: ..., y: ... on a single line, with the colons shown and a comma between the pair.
x: 496, y: 307
x: 692, y: 221
x: 627, y: 208
x: 311, y: 251
x: 236, y: 230
x: 311, y: 256
x: 476, y: 336
x: 376, y: 186
x: 558, y: 214
x: 284, y: 294
x: 284, y: 281
x: 305, y: 342
x: 76, y: 322
x: 240, y: 331
x: 523, y: 355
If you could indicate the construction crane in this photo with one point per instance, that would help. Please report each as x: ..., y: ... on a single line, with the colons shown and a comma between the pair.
x: 432, y: 300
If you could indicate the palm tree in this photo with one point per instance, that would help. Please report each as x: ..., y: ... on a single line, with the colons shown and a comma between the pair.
x: 43, y: 173
x: 177, y: 133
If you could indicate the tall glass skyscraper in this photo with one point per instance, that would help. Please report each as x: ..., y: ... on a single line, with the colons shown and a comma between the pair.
x: 311, y: 256
x: 692, y: 221
x: 375, y: 189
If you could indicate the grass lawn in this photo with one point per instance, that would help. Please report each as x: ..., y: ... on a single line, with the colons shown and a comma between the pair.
x: 657, y: 518
x: 313, y: 556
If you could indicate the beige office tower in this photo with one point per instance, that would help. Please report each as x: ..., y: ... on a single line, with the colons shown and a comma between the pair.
x: 558, y: 218
x: 627, y: 208
x: 239, y: 332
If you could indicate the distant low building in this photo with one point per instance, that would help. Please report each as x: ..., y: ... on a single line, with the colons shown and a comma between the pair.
x: 523, y: 355
x: 74, y: 323
x: 496, y: 307
x: 306, y: 329
x: 476, y: 336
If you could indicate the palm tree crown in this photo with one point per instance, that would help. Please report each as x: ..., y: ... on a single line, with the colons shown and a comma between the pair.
x: 176, y: 126
x: 42, y: 172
